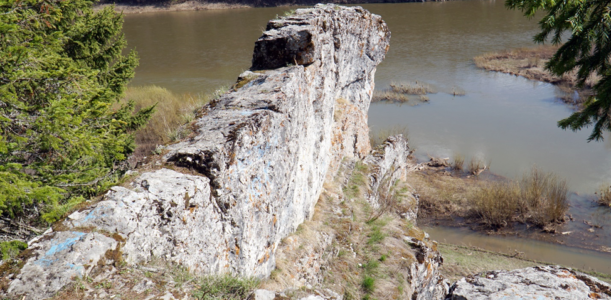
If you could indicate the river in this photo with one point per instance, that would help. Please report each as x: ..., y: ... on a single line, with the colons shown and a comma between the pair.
x: 507, y: 120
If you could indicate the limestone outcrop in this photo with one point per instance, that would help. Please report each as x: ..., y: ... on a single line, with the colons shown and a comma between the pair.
x: 249, y: 175
x: 546, y: 282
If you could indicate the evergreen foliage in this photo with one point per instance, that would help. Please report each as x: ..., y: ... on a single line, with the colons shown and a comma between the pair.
x: 587, y: 50
x: 61, y: 70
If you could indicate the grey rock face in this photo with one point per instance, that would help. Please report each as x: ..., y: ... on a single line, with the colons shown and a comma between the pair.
x: 546, y: 282
x: 268, y: 146
x: 56, y: 259
x: 262, y: 152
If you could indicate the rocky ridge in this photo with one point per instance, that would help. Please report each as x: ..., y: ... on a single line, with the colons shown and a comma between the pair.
x: 229, y: 199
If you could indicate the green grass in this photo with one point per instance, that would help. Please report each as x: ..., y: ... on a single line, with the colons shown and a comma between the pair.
x: 368, y: 284
x: 225, y: 287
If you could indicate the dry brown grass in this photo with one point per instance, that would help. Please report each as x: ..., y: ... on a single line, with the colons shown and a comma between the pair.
x: 538, y: 198
x: 458, y: 161
x: 530, y: 63
x: 367, y: 257
x: 412, y: 88
x: 497, y: 203
x: 604, y: 195
x: 171, y: 113
x: 401, y: 92
x: 543, y: 197
x: 476, y: 166
x: 378, y: 137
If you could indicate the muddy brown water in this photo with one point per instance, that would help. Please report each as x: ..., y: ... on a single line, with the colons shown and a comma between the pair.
x: 503, y: 119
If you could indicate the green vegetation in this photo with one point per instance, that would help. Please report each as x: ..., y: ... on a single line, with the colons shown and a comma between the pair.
x: 9, y: 250
x: 368, y: 284
x: 225, y: 287
x: 62, y: 70
x: 587, y: 51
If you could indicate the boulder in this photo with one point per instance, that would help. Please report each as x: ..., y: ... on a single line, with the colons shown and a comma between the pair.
x: 545, y: 282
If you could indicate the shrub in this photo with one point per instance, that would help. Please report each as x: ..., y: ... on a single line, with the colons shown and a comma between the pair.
x: 62, y: 69
x: 10, y: 249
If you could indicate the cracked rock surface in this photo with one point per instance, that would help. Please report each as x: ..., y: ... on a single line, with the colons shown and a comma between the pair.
x: 546, y: 282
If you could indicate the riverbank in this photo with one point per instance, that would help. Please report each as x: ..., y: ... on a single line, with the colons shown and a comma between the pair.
x: 130, y: 7
x: 171, y: 6
x: 448, y: 197
x: 530, y: 63
x: 461, y: 261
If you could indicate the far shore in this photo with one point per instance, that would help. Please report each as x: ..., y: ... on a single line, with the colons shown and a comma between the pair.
x: 531, y: 64
x: 194, y: 5
x: 184, y: 6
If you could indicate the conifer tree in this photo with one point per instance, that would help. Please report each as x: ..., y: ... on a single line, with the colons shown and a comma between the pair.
x: 63, y: 136
x: 588, y: 50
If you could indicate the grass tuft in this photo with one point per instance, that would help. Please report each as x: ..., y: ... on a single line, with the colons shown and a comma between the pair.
x: 497, y: 203
x: 458, y: 162
x: 538, y: 198
x: 604, y: 195
x: 225, y: 287
x: 368, y: 284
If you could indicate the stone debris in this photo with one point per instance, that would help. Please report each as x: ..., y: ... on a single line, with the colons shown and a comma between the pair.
x: 545, y: 282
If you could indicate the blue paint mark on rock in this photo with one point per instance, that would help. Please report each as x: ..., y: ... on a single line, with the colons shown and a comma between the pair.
x: 47, y: 258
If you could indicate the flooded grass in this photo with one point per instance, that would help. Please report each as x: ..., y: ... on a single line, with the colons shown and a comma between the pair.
x: 496, y: 204
x: 604, y: 195
x: 538, y: 198
x: 458, y: 161
x: 401, y: 92
x: 476, y: 166
x: 543, y: 197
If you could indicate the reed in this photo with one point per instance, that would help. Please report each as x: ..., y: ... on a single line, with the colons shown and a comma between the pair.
x: 543, y: 197
x: 497, y: 203
x: 458, y: 162
x: 604, y: 195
